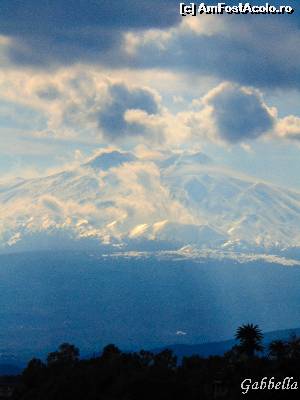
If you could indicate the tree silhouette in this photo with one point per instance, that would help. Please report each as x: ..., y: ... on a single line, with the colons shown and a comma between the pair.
x: 294, y: 347
x: 165, y: 359
x: 34, y: 373
x: 146, y: 358
x: 118, y: 375
x: 110, y: 352
x: 278, y: 349
x: 250, y: 338
x: 67, y: 354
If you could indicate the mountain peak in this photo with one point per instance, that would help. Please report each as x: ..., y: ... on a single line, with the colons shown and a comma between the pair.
x: 187, y: 158
x: 107, y: 160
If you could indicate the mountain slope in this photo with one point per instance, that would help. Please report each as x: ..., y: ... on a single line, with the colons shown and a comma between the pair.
x: 116, y: 198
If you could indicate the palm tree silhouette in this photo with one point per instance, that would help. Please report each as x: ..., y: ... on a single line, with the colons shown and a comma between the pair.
x: 250, y: 338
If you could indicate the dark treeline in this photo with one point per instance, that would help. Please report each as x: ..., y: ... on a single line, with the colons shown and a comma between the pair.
x: 115, y: 375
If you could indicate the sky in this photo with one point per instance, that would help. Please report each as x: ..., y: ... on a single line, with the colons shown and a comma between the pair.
x: 77, y: 76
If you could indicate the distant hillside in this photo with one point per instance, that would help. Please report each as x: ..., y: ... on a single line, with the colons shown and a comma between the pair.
x: 181, y: 350
x: 219, y: 348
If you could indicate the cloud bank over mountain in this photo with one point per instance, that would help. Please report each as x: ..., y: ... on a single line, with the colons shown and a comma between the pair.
x: 84, y: 106
x: 120, y: 201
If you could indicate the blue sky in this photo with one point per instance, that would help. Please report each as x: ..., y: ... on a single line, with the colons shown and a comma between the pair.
x: 76, y: 76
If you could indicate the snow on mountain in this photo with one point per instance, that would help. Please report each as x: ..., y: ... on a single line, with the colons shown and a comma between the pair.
x: 179, y: 233
x: 116, y: 198
x: 246, y: 210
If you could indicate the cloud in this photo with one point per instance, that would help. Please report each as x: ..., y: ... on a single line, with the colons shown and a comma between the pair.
x: 142, y: 195
x: 243, y: 49
x: 238, y: 113
x: 81, y: 107
x: 58, y: 32
x: 181, y: 333
x: 126, y: 111
x: 144, y: 34
x: 147, y: 35
x: 231, y: 114
x: 81, y: 104
x: 289, y: 128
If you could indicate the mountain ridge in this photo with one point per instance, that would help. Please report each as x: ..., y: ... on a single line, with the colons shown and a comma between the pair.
x: 184, y: 198
x: 219, y: 348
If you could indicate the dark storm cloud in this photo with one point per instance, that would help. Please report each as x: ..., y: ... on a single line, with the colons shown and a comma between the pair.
x: 260, y: 51
x: 66, y: 31
x: 256, y: 50
x: 44, y: 16
x: 112, y: 117
x: 239, y: 114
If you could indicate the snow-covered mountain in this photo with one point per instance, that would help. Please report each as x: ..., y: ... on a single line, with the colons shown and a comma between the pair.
x: 118, y: 200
